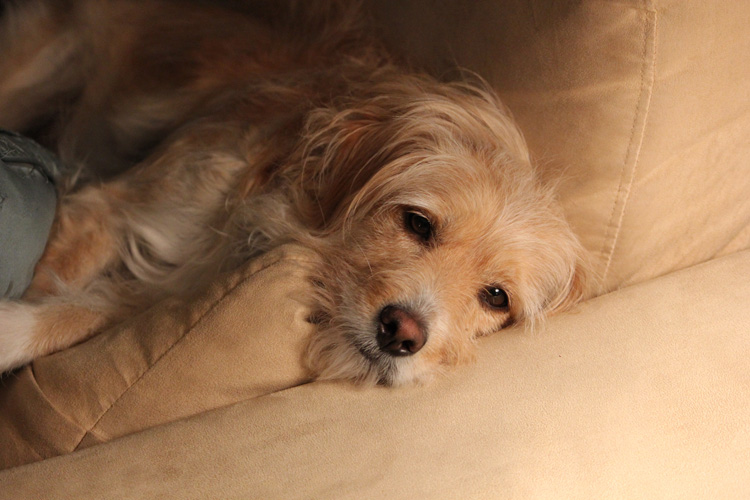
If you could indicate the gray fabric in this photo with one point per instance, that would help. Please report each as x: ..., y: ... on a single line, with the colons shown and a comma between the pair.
x: 27, y: 208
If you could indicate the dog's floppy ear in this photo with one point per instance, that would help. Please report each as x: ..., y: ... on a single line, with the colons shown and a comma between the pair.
x: 578, y: 288
x: 343, y: 151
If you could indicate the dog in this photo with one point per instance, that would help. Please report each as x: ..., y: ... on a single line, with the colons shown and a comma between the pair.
x: 202, y: 136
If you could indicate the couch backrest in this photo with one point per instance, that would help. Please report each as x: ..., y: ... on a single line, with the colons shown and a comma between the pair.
x: 642, y: 105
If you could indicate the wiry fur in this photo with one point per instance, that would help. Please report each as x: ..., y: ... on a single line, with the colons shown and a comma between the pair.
x: 207, y: 137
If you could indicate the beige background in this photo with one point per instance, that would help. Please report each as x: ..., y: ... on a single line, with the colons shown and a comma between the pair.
x: 644, y: 106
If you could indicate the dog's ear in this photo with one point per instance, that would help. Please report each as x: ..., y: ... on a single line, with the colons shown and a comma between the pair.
x: 578, y: 289
x: 343, y: 152
x: 349, y: 150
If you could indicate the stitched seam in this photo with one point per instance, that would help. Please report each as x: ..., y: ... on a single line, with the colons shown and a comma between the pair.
x: 50, y: 404
x: 62, y: 415
x: 176, y: 342
x: 623, y: 190
x: 148, y: 368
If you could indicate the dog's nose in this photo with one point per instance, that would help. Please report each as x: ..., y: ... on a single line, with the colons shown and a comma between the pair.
x: 399, y: 334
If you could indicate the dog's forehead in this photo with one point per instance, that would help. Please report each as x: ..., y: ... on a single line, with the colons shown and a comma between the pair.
x: 494, y: 207
x: 466, y: 189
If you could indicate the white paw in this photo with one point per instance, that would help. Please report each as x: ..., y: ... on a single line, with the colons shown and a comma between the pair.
x: 17, y: 323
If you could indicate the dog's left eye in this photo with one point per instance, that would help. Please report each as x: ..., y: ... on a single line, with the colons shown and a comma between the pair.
x: 419, y: 225
x: 496, y: 298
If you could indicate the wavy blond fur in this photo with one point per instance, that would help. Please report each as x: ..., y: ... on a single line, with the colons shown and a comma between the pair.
x: 206, y: 137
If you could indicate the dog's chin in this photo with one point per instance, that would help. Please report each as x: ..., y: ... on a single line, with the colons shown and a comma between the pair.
x: 356, y: 357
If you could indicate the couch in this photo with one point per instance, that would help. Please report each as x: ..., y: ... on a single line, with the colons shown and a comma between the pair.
x: 641, y: 110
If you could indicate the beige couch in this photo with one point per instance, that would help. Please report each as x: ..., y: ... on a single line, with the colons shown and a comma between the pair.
x: 643, y: 107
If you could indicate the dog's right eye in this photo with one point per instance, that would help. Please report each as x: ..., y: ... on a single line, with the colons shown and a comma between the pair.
x: 496, y: 298
x: 419, y: 225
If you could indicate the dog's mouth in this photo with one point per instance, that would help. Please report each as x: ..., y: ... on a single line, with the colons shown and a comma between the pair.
x: 378, y: 363
x: 380, y: 347
x: 368, y: 351
x: 393, y: 338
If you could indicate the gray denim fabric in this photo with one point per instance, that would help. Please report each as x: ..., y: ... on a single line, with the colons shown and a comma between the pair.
x: 27, y: 207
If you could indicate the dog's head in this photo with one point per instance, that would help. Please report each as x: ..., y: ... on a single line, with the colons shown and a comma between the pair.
x: 434, y: 228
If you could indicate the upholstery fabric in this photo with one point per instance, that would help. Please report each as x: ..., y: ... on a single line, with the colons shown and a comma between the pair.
x: 642, y: 393
x: 643, y: 106
x: 242, y: 338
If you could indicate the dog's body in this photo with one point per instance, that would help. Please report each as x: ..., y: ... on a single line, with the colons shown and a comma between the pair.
x: 217, y: 137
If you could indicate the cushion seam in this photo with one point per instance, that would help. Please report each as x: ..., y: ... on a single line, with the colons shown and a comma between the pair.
x: 50, y: 404
x: 177, y: 341
x: 82, y: 429
x: 634, y: 147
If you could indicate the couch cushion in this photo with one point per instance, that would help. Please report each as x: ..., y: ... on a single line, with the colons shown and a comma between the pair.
x: 643, y: 105
x: 242, y: 338
x: 642, y: 393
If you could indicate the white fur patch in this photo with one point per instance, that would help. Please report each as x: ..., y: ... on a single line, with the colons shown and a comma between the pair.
x: 17, y: 325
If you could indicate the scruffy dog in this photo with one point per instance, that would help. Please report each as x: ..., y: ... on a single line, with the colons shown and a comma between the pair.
x: 207, y: 136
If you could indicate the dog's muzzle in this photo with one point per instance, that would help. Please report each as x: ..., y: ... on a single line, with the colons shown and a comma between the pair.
x: 399, y: 332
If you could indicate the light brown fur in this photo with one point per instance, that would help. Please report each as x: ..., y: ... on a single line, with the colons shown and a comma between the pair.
x: 207, y: 137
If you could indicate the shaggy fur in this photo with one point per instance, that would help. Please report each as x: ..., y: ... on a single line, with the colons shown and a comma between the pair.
x: 206, y: 136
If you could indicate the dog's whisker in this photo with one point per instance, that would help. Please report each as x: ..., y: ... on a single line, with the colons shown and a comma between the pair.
x: 367, y: 260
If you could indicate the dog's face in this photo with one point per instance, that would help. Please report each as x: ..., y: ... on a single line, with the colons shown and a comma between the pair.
x: 447, y: 238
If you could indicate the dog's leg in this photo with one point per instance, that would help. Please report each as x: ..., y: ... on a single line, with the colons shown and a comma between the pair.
x: 31, y: 330
x: 60, y: 307
x: 82, y: 245
x: 164, y: 223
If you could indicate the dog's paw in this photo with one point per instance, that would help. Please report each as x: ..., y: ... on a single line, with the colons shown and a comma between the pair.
x: 17, y: 323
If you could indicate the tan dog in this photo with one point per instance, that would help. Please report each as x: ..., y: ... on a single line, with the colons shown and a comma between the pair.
x: 214, y: 136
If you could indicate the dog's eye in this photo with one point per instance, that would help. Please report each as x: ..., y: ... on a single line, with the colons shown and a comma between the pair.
x: 419, y: 225
x: 496, y: 298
